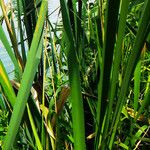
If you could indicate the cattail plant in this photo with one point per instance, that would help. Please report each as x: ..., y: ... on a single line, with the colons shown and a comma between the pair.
x: 81, y: 83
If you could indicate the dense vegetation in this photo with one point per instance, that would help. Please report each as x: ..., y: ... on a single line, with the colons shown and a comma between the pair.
x: 82, y: 83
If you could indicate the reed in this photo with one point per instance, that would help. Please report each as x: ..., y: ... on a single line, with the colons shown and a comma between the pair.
x: 81, y: 83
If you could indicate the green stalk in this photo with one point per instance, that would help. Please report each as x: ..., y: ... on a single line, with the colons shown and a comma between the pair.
x: 43, y: 134
x: 21, y: 31
x: 112, y: 8
x: 117, y: 61
x: 74, y: 78
x: 8, y: 48
x: 133, y: 58
x: 7, y: 87
x: 39, y: 145
x: 12, y: 34
x: 27, y: 79
x: 137, y: 76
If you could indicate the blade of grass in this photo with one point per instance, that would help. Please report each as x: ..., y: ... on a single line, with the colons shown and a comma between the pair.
x: 74, y: 78
x: 11, y: 34
x: 38, y: 143
x: 137, y: 76
x: 138, y: 134
x: 43, y: 134
x: 6, y: 44
x: 112, y: 9
x: 19, y: 5
x: 27, y: 79
x: 116, y: 64
x: 30, y: 140
x: 7, y: 87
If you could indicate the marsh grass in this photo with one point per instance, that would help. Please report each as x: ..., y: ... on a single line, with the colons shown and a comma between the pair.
x: 84, y: 82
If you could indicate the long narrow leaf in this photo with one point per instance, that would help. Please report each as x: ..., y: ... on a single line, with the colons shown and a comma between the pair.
x: 112, y: 9
x: 117, y: 60
x: 74, y: 78
x: 39, y: 145
x: 12, y: 34
x: 137, y: 76
x: 8, y: 48
x: 27, y: 79
x: 5, y: 82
